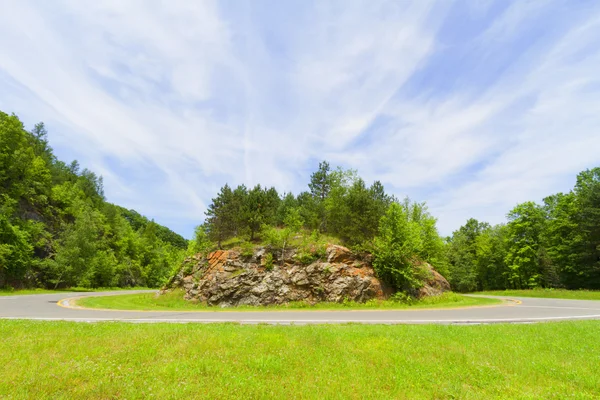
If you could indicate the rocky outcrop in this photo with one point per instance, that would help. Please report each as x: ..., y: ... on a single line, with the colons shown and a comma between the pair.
x: 227, y: 278
x: 434, y: 285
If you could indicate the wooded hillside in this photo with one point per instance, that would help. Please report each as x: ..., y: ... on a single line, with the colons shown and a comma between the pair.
x: 57, y: 229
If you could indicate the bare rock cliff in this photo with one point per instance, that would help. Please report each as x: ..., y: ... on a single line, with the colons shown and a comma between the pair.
x: 227, y: 278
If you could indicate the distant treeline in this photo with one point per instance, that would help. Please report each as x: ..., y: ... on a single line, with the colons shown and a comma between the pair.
x: 57, y: 230
x: 554, y: 244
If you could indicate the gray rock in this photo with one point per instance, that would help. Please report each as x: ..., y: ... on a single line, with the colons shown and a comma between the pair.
x: 226, y: 279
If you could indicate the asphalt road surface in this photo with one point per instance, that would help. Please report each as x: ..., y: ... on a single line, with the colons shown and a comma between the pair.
x: 515, y: 309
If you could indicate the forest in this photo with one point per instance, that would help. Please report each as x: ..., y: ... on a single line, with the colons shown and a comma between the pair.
x: 553, y: 244
x: 57, y: 229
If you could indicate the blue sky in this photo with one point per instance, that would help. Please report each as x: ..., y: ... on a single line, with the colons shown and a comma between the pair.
x: 470, y: 106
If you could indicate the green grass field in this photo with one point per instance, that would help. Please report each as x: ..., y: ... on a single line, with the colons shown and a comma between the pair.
x: 13, y: 292
x: 174, y: 302
x: 65, y: 360
x: 548, y: 293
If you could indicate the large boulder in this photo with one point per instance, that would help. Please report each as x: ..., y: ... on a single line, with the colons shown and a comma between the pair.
x: 227, y: 278
x: 434, y: 284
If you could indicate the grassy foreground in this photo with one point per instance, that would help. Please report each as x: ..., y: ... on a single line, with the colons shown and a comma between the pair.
x: 17, y: 292
x: 60, y: 360
x: 548, y: 293
x: 174, y: 302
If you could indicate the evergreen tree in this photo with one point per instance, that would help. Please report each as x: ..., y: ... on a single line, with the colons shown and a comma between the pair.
x: 320, y: 186
x: 221, y: 221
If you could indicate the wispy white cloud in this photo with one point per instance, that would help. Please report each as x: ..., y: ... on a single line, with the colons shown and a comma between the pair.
x: 170, y: 100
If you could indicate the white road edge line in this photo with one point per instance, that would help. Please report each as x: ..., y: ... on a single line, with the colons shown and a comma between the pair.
x: 307, y: 321
x: 561, y: 308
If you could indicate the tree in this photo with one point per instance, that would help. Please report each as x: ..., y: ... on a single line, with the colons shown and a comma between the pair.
x: 309, y: 210
x: 354, y: 212
x: 320, y: 181
x: 432, y: 245
x: 573, y: 232
x: 587, y: 192
x: 561, y: 236
x: 395, y: 247
x: 524, y: 232
x: 462, y: 254
x: 56, y: 228
x: 259, y: 209
x: 320, y: 186
x: 490, y: 252
x: 76, y: 249
x: 221, y: 221
x: 15, y: 252
x: 288, y: 202
x: 201, y: 242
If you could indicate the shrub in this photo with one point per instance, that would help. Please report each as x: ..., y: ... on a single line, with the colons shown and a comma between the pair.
x: 268, y: 261
x: 247, y: 249
x: 306, y: 258
x: 401, y: 297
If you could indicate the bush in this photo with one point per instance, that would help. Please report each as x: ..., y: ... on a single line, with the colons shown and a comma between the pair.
x: 269, y: 261
x: 306, y: 258
x: 401, y: 297
x: 247, y: 250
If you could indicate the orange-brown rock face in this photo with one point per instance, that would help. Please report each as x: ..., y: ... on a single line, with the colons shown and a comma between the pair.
x: 226, y: 278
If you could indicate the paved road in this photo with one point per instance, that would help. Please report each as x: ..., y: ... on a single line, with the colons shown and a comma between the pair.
x: 45, y: 307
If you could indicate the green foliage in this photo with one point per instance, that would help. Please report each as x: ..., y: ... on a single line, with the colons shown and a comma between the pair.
x: 396, y: 245
x: 269, y: 261
x: 287, y: 203
x: 138, y: 222
x: 320, y: 186
x: 221, y: 216
x: 549, y: 293
x: 247, y: 249
x: 260, y: 207
x: 354, y: 211
x: 524, y: 230
x: 280, y: 238
x: 407, y: 237
x: 312, y: 247
x: 16, y: 252
x: 402, y: 297
x: 306, y: 258
x: 338, y: 203
x: 476, y: 255
x: 200, y: 243
x: 583, y: 268
x: 556, y: 244
x: 240, y: 211
x: 57, y: 230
